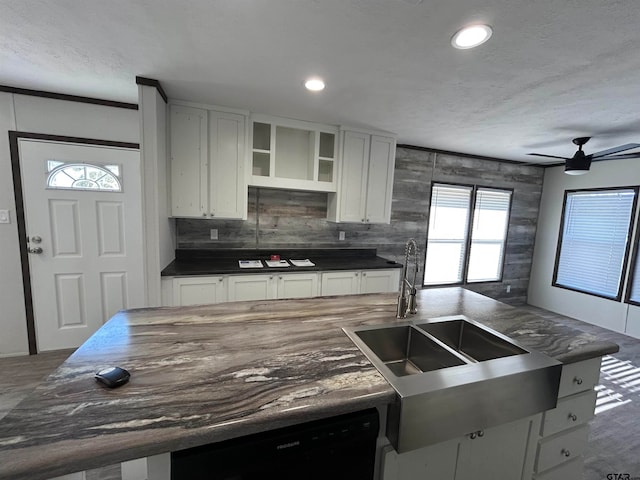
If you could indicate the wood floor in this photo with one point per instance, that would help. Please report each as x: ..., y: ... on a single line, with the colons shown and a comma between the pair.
x: 614, y: 443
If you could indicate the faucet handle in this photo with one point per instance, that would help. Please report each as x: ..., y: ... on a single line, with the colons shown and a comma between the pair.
x: 413, y: 306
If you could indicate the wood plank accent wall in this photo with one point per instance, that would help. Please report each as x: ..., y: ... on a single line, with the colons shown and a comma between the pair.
x: 289, y: 219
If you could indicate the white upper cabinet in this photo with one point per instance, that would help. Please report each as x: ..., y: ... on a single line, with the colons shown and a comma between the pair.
x: 227, y: 180
x: 208, y: 158
x: 366, y: 180
x: 189, y: 153
x: 293, y: 155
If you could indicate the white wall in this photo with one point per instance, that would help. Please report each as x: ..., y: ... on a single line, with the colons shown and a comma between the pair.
x: 57, y: 117
x: 616, y: 316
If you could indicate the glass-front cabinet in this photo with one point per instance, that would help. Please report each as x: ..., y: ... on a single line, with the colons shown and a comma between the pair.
x: 293, y: 154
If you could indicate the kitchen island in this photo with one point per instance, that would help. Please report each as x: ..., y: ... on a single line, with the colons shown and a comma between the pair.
x: 204, y: 374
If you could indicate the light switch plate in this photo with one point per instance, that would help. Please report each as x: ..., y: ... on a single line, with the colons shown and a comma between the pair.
x: 213, y: 234
x: 4, y: 216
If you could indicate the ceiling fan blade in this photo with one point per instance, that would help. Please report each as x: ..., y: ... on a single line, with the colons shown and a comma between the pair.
x: 618, y: 157
x: 611, y: 151
x: 547, y: 156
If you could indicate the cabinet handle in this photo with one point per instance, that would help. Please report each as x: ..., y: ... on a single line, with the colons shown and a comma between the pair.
x: 473, y: 435
x: 271, y: 277
x: 280, y: 277
x: 362, y: 220
x: 573, y: 417
x: 204, y: 214
x: 565, y: 452
x: 578, y: 380
x: 481, y: 433
x: 220, y: 279
x: 367, y: 220
x: 356, y: 275
x: 364, y: 274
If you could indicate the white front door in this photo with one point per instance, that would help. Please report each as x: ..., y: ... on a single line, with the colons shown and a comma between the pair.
x: 83, y: 218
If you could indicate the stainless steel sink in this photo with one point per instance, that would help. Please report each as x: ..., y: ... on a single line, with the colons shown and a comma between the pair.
x: 477, y: 344
x: 454, y: 376
x: 405, y: 351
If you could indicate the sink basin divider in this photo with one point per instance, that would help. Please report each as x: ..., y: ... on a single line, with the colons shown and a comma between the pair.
x: 460, y: 355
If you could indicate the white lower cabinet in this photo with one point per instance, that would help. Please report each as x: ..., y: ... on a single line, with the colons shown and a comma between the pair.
x: 498, y: 453
x: 380, y: 281
x: 298, y: 285
x: 251, y: 287
x: 349, y: 282
x: 565, y: 430
x: 340, y: 283
x: 198, y: 290
x: 264, y: 287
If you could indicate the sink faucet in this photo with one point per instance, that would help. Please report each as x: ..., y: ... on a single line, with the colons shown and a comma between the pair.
x: 409, y: 305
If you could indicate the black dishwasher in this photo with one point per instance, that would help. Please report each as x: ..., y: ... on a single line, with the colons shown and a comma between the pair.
x: 341, y: 447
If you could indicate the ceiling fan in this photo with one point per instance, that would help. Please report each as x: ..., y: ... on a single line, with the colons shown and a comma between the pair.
x: 580, y: 162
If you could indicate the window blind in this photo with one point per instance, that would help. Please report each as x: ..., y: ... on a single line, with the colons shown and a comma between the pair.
x: 446, y: 242
x: 595, y: 233
x: 489, y: 234
x: 634, y: 296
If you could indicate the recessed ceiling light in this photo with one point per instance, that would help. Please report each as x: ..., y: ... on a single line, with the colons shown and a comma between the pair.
x: 471, y: 36
x: 314, y: 84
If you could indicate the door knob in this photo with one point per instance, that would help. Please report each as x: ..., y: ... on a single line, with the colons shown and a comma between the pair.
x: 37, y: 250
x: 36, y: 239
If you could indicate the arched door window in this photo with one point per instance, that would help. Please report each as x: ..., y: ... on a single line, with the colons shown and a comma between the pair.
x: 83, y: 176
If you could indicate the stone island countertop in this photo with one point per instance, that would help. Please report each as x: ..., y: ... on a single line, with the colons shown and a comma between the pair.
x: 209, y: 373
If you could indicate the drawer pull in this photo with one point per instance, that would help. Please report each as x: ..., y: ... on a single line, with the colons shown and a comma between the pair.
x: 578, y: 380
x: 565, y: 452
x: 573, y: 417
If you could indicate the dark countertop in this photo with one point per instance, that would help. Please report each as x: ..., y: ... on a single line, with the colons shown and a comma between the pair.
x: 218, y: 262
x: 208, y: 373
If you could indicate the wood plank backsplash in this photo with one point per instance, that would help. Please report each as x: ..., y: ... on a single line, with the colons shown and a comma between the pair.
x: 291, y: 219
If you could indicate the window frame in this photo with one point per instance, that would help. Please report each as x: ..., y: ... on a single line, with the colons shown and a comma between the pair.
x: 468, y: 234
x: 625, y: 261
x: 635, y: 258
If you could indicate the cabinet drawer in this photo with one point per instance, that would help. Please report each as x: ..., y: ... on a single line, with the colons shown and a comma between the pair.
x: 561, y: 448
x: 571, y: 411
x: 571, y: 470
x: 579, y: 377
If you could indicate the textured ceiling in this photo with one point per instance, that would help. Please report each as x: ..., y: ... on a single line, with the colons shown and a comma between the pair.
x: 553, y: 70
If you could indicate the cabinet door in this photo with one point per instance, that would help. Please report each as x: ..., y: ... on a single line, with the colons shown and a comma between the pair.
x: 188, y: 148
x: 504, y: 452
x: 227, y: 181
x: 199, y: 290
x: 298, y: 285
x: 433, y: 462
x: 380, y: 281
x: 380, y: 179
x: 340, y: 283
x: 353, y: 184
x: 251, y: 287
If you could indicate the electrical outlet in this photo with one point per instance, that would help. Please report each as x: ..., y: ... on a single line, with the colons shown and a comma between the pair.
x: 213, y: 234
x: 341, y: 235
x: 4, y: 216
x: 508, y: 288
